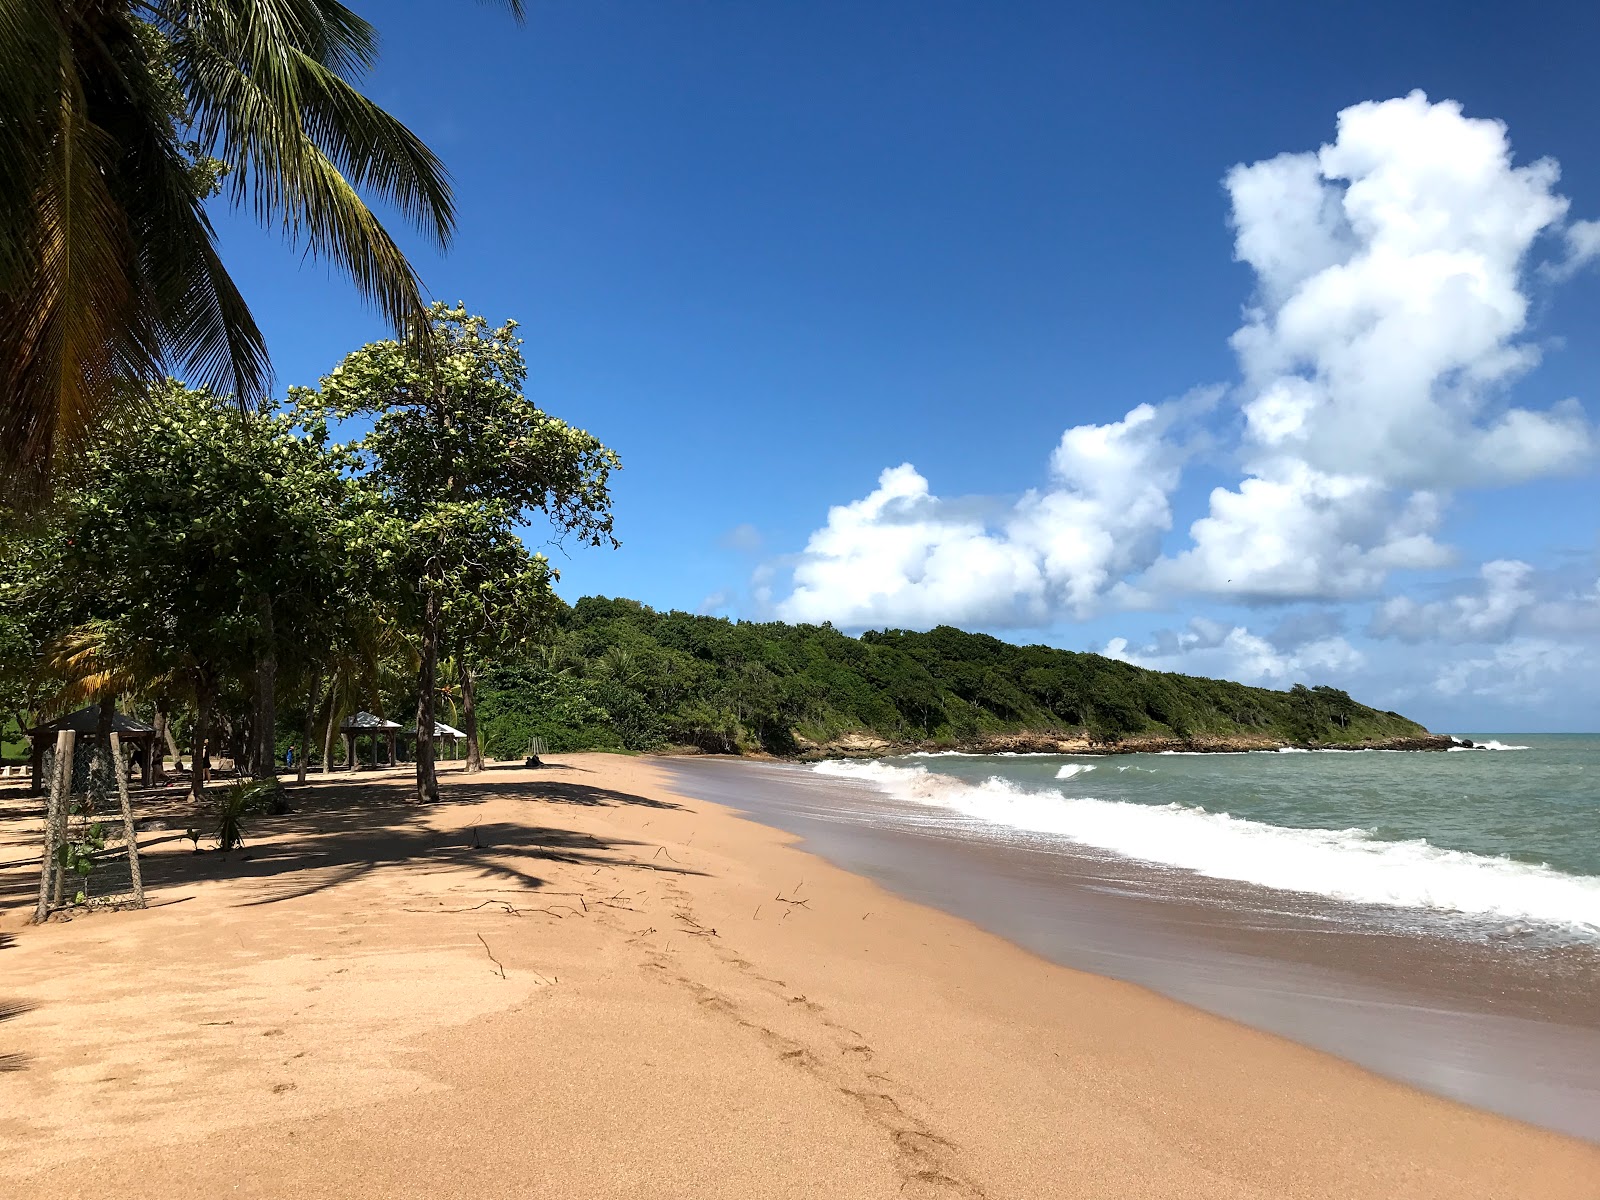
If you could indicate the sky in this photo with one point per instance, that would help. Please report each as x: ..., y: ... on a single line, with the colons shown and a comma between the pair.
x: 1244, y: 340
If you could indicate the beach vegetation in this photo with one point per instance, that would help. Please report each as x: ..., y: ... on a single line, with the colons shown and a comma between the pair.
x: 457, y: 459
x: 634, y: 678
x: 118, y: 121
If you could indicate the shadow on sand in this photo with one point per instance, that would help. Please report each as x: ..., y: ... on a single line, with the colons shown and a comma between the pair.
x: 340, y: 831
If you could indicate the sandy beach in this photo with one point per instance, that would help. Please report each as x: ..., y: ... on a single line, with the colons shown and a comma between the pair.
x: 575, y: 983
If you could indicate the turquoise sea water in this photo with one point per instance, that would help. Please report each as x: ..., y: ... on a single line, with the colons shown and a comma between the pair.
x: 1507, y: 836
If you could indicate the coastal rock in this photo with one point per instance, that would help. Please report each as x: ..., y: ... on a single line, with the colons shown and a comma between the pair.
x: 855, y: 743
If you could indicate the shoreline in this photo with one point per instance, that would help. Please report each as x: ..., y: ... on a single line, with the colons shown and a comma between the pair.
x: 1508, y: 1026
x: 387, y: 997
x: 868, y: 745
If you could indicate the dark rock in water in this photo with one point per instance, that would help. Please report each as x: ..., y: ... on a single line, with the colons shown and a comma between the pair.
x: 1466, y: 743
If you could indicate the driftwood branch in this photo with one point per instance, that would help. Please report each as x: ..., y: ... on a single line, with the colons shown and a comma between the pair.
x: 498, y: 964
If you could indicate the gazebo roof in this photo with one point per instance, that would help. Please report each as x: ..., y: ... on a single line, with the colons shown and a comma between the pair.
x: 365, y: 722
x: 87, y: 720
x: 440, y: 729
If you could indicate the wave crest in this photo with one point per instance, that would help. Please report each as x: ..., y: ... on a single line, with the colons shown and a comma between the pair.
x: 1342, y: 864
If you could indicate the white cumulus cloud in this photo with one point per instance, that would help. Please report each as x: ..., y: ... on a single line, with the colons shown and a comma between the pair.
x: 1390, y: 301
x: 1482, y: 616
x: 903, y: 556
x: 1387, y: 324
x: 1208, y: 647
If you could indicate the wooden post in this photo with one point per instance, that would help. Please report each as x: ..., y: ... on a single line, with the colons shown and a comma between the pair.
x: 147, y: 772
x: 64, y: 746
x: 127, y: 820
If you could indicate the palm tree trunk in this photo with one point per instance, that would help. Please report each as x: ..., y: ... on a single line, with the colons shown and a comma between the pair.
x: 266, y: 726
x: 469, y: 719
x: 427, y: 681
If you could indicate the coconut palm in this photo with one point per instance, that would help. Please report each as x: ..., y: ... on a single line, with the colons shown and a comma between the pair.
x: 118, y: 118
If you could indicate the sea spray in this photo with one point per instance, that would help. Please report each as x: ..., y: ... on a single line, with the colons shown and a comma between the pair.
x: 1345, y: 864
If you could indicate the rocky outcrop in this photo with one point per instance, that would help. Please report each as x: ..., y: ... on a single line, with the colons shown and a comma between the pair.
x: 866, y: 745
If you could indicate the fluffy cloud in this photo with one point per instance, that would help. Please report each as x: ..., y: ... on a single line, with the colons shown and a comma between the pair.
x: 1483, y: 616
x: 1523, y: 671
x: 902, y: 556
x: 1387, y: 324
x: 1389, y: 271
x: 1209, y: 647
x: 1508, y: 599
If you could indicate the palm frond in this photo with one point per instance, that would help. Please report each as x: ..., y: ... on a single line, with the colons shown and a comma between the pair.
x: 299, y: 140
x: 75, y: 326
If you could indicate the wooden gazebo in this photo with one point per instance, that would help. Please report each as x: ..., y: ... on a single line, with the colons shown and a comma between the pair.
x: 86, y: 724
x: 365, y: 724
x: 449, y: 734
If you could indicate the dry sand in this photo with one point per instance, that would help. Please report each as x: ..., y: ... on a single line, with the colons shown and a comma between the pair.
x: 572, y: 983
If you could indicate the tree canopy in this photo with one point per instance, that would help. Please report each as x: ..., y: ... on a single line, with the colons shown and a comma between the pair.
x: 117, y: 121
x: 457, y: 459
x: 615, y: 673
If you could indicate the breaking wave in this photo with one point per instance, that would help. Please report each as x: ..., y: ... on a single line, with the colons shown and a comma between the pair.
x: 1344, y: 864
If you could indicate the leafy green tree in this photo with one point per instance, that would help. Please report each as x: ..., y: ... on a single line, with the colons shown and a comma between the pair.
x: 457, y: 459
x: 191, y: 550
x: 117, y: 120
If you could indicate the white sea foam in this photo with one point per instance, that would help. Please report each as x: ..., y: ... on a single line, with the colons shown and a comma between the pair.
x: 1345, y: 864
x: 1491, y: 744
x: 1071, y: 769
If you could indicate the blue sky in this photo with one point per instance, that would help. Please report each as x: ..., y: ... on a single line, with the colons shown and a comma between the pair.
x: 771, y: 252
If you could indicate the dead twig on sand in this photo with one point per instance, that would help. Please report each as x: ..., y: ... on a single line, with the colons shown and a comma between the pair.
x: 660, y: 850
x: 579, y: 895
x: 498, y: 964
x: 552, y: 911
x: 806, y: 903
x: 510, y: 908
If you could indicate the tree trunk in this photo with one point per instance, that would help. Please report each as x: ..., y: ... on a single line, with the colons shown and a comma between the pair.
x: 197, y: 752
x: 308, y: 728
x: 427, y: 682
x: 158, y: 744
x: 469, y: 719
x: 103, y: 766
x: 333, y: 713
x: 266, y: 725
x: 164, y: 719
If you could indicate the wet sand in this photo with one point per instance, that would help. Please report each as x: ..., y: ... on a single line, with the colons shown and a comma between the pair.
x: 582, y: 983
x: 1510, y: 1025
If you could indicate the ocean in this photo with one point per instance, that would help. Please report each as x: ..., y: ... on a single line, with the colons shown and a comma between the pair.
x: 1434, y: 917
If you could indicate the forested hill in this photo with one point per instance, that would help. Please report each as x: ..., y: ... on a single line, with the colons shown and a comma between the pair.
x: 620, y: 675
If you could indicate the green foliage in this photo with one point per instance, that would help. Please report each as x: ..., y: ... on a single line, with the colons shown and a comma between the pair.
x: 616, y: 673
x: 241, y: 800
x: 456, y: 461
x: 78, y: 856
x: 117, y: 121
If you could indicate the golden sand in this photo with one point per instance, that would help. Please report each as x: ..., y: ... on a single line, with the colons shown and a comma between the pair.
x: 572, y: 983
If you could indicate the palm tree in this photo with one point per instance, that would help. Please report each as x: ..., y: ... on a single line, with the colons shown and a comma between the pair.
x: 118, y: 118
